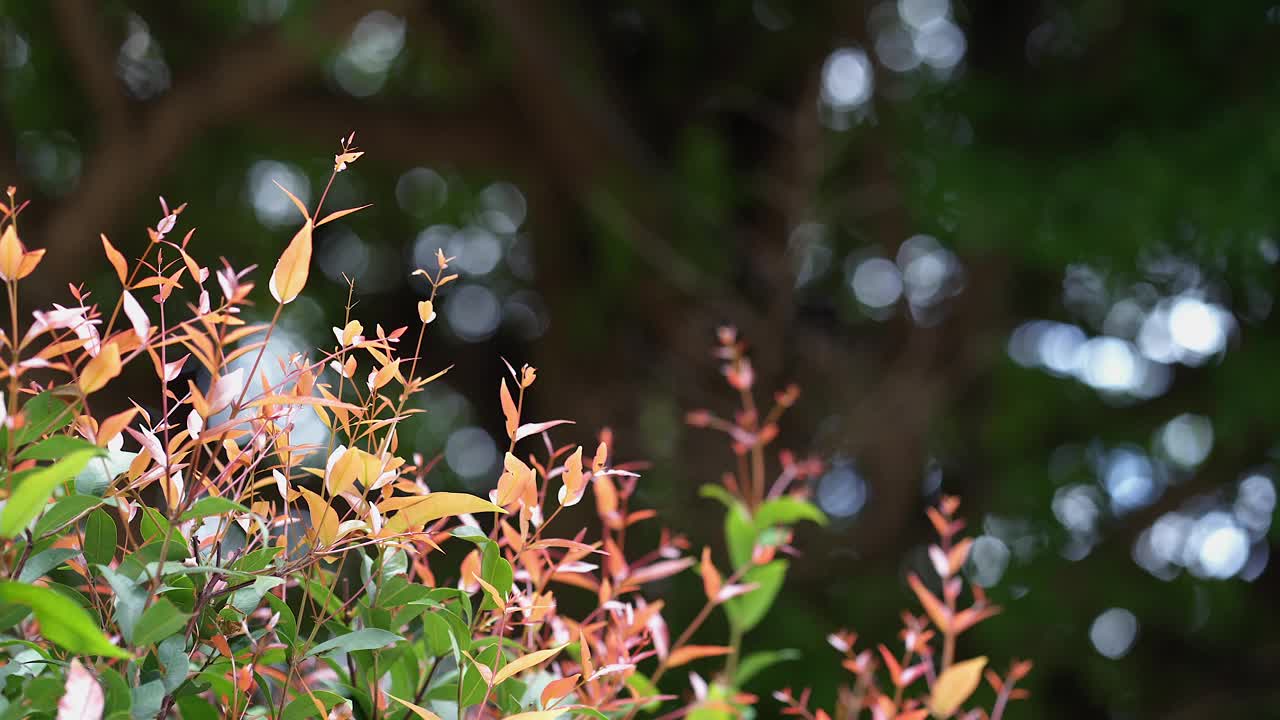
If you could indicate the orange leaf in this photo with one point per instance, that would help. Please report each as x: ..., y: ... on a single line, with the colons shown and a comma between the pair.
x: 426, y: 311
x: 324, y: 519
x: 422, y: 510
x: 493, y: 594
x: 557, y: 689
x: 421, y: 712
x: 938, y: 612
x: 524, y: 663
x: 290, y: 275
x: 574, y: 481
x: 11, y: 252
x: 509, y: 409
x: 955, y: 685
x: 689, y: 653
x: 101, y: 369
x: 711, y: 581
x: 114, y: 425
x: 355, y: 464
x: 341, y: 214
x: 296, y: 202
x: 29, y: 262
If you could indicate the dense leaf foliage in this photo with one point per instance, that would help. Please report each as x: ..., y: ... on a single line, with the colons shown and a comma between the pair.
x: 191, y: 556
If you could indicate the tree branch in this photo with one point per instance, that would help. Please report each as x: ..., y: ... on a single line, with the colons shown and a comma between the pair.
x: 94, y: 60
x: 235, y: 81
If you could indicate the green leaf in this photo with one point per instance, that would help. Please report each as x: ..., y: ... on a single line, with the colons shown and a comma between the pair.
x: 497, y: 572
x: 42, y: 693
x: 746, y: 611
x: 194, y: 707
x: 323, y: 595
x: 206, y: 506
x: 62, y: 621
x: 147, y: 700
x: 56, y: 447
x: 787, y: 511
x: 435, y: 633
x: 97, y: 476
x: 159, y: 622
x: 470, y: 534
x: 173, y: 655
x: 64, y: 511
x: 41, y: 563
x: 754, y: 663
x: 130, y: 600
x: 11, y: 614
x: 287, y: 626
x: 644, y: 687
x: 247, y: 599
x: 31, y: 496
x: 303, y: 707
x: 256, y: 560
x: 119, y: 698
x: 45, y: 413
x: 366, y: 639
x: 99, y: 538
x: 739, y: 535
x: 154, y: 525
x: 718, y: 492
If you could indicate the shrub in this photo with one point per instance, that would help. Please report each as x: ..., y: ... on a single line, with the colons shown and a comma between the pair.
x: 221, y: 568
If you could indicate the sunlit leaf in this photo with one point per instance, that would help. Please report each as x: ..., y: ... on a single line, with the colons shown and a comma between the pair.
x: 509, y: 410
x: 100, y: 370
x: 528, y: 429
x: 558, y: 688
x: 137, y: 316
x: 575, y: 482
x: 324, y: 519
x: 337, y: 214
x: 354, y: 464
x: 116, y: 258
x: 955, y: 685
x: 421, y: 510
x: 426, y: 311
x: 290, y: 274
x: 524, y: 663
x: 36, y: 488
x: 296, y: 202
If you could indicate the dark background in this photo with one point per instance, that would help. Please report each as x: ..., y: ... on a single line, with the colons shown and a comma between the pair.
x: 1019, y: 250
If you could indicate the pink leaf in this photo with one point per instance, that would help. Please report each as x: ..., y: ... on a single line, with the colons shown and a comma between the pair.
x: 83, y: 698
x: 659, y: 570
x: 528, y: 429
x: 137, y: 316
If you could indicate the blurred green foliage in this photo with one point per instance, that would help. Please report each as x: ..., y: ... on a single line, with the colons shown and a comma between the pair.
x: 668, y: 155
